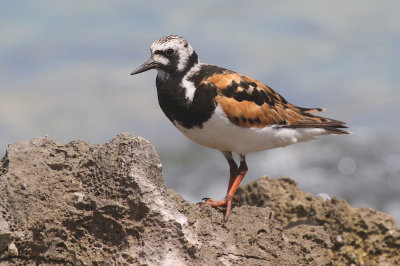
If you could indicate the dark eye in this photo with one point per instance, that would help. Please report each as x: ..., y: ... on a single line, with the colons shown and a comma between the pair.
x: 169, y: 52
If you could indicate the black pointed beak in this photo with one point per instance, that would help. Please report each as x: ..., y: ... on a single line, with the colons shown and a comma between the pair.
x: 149, y: 64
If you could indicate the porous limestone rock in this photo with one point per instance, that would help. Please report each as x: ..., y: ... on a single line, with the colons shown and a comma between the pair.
x: 86, y: 204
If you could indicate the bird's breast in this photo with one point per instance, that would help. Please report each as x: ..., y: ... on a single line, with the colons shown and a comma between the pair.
x: 188, y: 112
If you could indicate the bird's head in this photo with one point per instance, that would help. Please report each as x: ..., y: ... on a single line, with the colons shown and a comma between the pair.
x: 171, y: 55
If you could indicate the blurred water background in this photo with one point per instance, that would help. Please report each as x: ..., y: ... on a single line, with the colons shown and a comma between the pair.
x: 64, y: 72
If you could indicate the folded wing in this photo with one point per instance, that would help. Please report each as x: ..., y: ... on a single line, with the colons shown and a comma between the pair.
x: 250, y: 103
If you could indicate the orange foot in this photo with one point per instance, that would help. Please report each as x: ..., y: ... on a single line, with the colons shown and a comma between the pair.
x: 227, y: 201
x: 214, y: 203
x: 237, y: 175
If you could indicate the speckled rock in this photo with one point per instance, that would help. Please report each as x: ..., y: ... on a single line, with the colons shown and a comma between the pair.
x: 360, y: 236
x: 85, y: 204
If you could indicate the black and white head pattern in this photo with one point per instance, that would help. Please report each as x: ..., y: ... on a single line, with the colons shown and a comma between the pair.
x: 173, y: 54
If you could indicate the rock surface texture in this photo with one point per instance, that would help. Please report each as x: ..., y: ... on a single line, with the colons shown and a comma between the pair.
x: 85, y: 204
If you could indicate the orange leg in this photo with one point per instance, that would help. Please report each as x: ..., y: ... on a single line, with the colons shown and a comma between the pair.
x: 233, y: 172
x: 237, y: 175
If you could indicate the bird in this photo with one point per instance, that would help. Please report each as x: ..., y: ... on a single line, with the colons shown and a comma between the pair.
x: 227, y: 111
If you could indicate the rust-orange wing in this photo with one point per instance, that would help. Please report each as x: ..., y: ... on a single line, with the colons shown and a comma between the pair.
x: 250, y: 103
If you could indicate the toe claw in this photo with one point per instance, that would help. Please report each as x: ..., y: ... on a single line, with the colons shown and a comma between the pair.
x: 205, y: 199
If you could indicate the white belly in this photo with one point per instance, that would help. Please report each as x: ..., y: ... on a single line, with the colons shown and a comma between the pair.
x: 219, y: 133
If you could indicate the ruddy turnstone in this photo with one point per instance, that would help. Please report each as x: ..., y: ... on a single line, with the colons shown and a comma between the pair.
x: 227, y: 111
